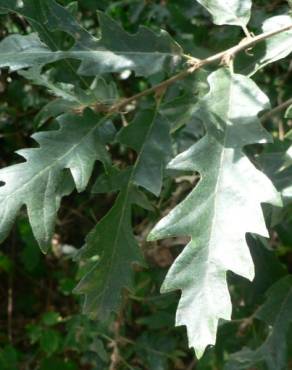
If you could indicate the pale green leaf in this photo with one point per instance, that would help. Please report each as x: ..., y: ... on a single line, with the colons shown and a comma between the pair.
x: 39, y: 183
x: 233, y: 12
x: 225, y: 205
x: 276, y: 47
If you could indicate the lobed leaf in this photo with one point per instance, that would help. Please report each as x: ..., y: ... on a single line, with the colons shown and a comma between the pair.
x: 145, y: 53
x: 149, y: 136
x: 46, y: 16
x: 40, y: 182
x: 225, y: 205
x: 113, y: 245
x: 100, y: 94
x: 112, y: 241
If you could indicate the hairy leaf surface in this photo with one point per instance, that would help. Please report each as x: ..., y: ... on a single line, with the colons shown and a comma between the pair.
x: 39, y: 182
x: 225, y: 205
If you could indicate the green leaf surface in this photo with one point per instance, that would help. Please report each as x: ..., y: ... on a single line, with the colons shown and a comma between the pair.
x: 40, y: 182
x: 47, y: 17
x: 54, y: 109
x: 112, y: 243
x: 289, y: 113
x: 225, y: 205
x: 9, y: 358
x: 100, y: 94
x: 282, y: 173
x: 58, y: 89
x: 276, y: 47
x: 278, y: 166
x: 178, y: 104
x: 268, y: 270
x: 149, y: 136
x: 50, y: 341
x: 145, y: 52
x: 233, y: 12
x: 276, y: 312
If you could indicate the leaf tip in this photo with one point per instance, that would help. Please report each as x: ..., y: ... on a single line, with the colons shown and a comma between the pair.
x: 151, y: 236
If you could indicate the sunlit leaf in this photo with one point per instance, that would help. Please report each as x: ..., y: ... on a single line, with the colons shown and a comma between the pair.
x: 233, y: 12
x: 225, y: 205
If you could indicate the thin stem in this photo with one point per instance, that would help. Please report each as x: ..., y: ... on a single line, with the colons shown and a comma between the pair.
x: 194, y: 65
x: 246, y: 31
x: 197, y: 64
x: 265, y: 117
x: 244, y: 44
x: 163, y: 85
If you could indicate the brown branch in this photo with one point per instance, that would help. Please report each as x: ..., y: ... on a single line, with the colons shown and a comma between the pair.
x: 197, y: 64
x: 192, y: 365
x: 265, y: 117
x: 245, y: 44
x: 225, y: 56
x: 116, y: 359
x: 163, y: 85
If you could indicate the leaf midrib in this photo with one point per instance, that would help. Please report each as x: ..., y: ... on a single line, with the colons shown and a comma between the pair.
x: 217, y: 186
x: 130, y: 183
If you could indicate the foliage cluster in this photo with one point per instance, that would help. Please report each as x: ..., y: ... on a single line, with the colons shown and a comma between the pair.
x: 159, y: 158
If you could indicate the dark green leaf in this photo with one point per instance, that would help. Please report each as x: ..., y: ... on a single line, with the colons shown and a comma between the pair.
x: 50, y: 341
x: 276, y: 312
x: 40, y: 182
x: 149, y: 136
x: 115, y: 248
x: 145, y: 52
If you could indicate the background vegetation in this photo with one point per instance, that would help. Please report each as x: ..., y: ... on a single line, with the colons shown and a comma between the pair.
x: 41, y: 327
